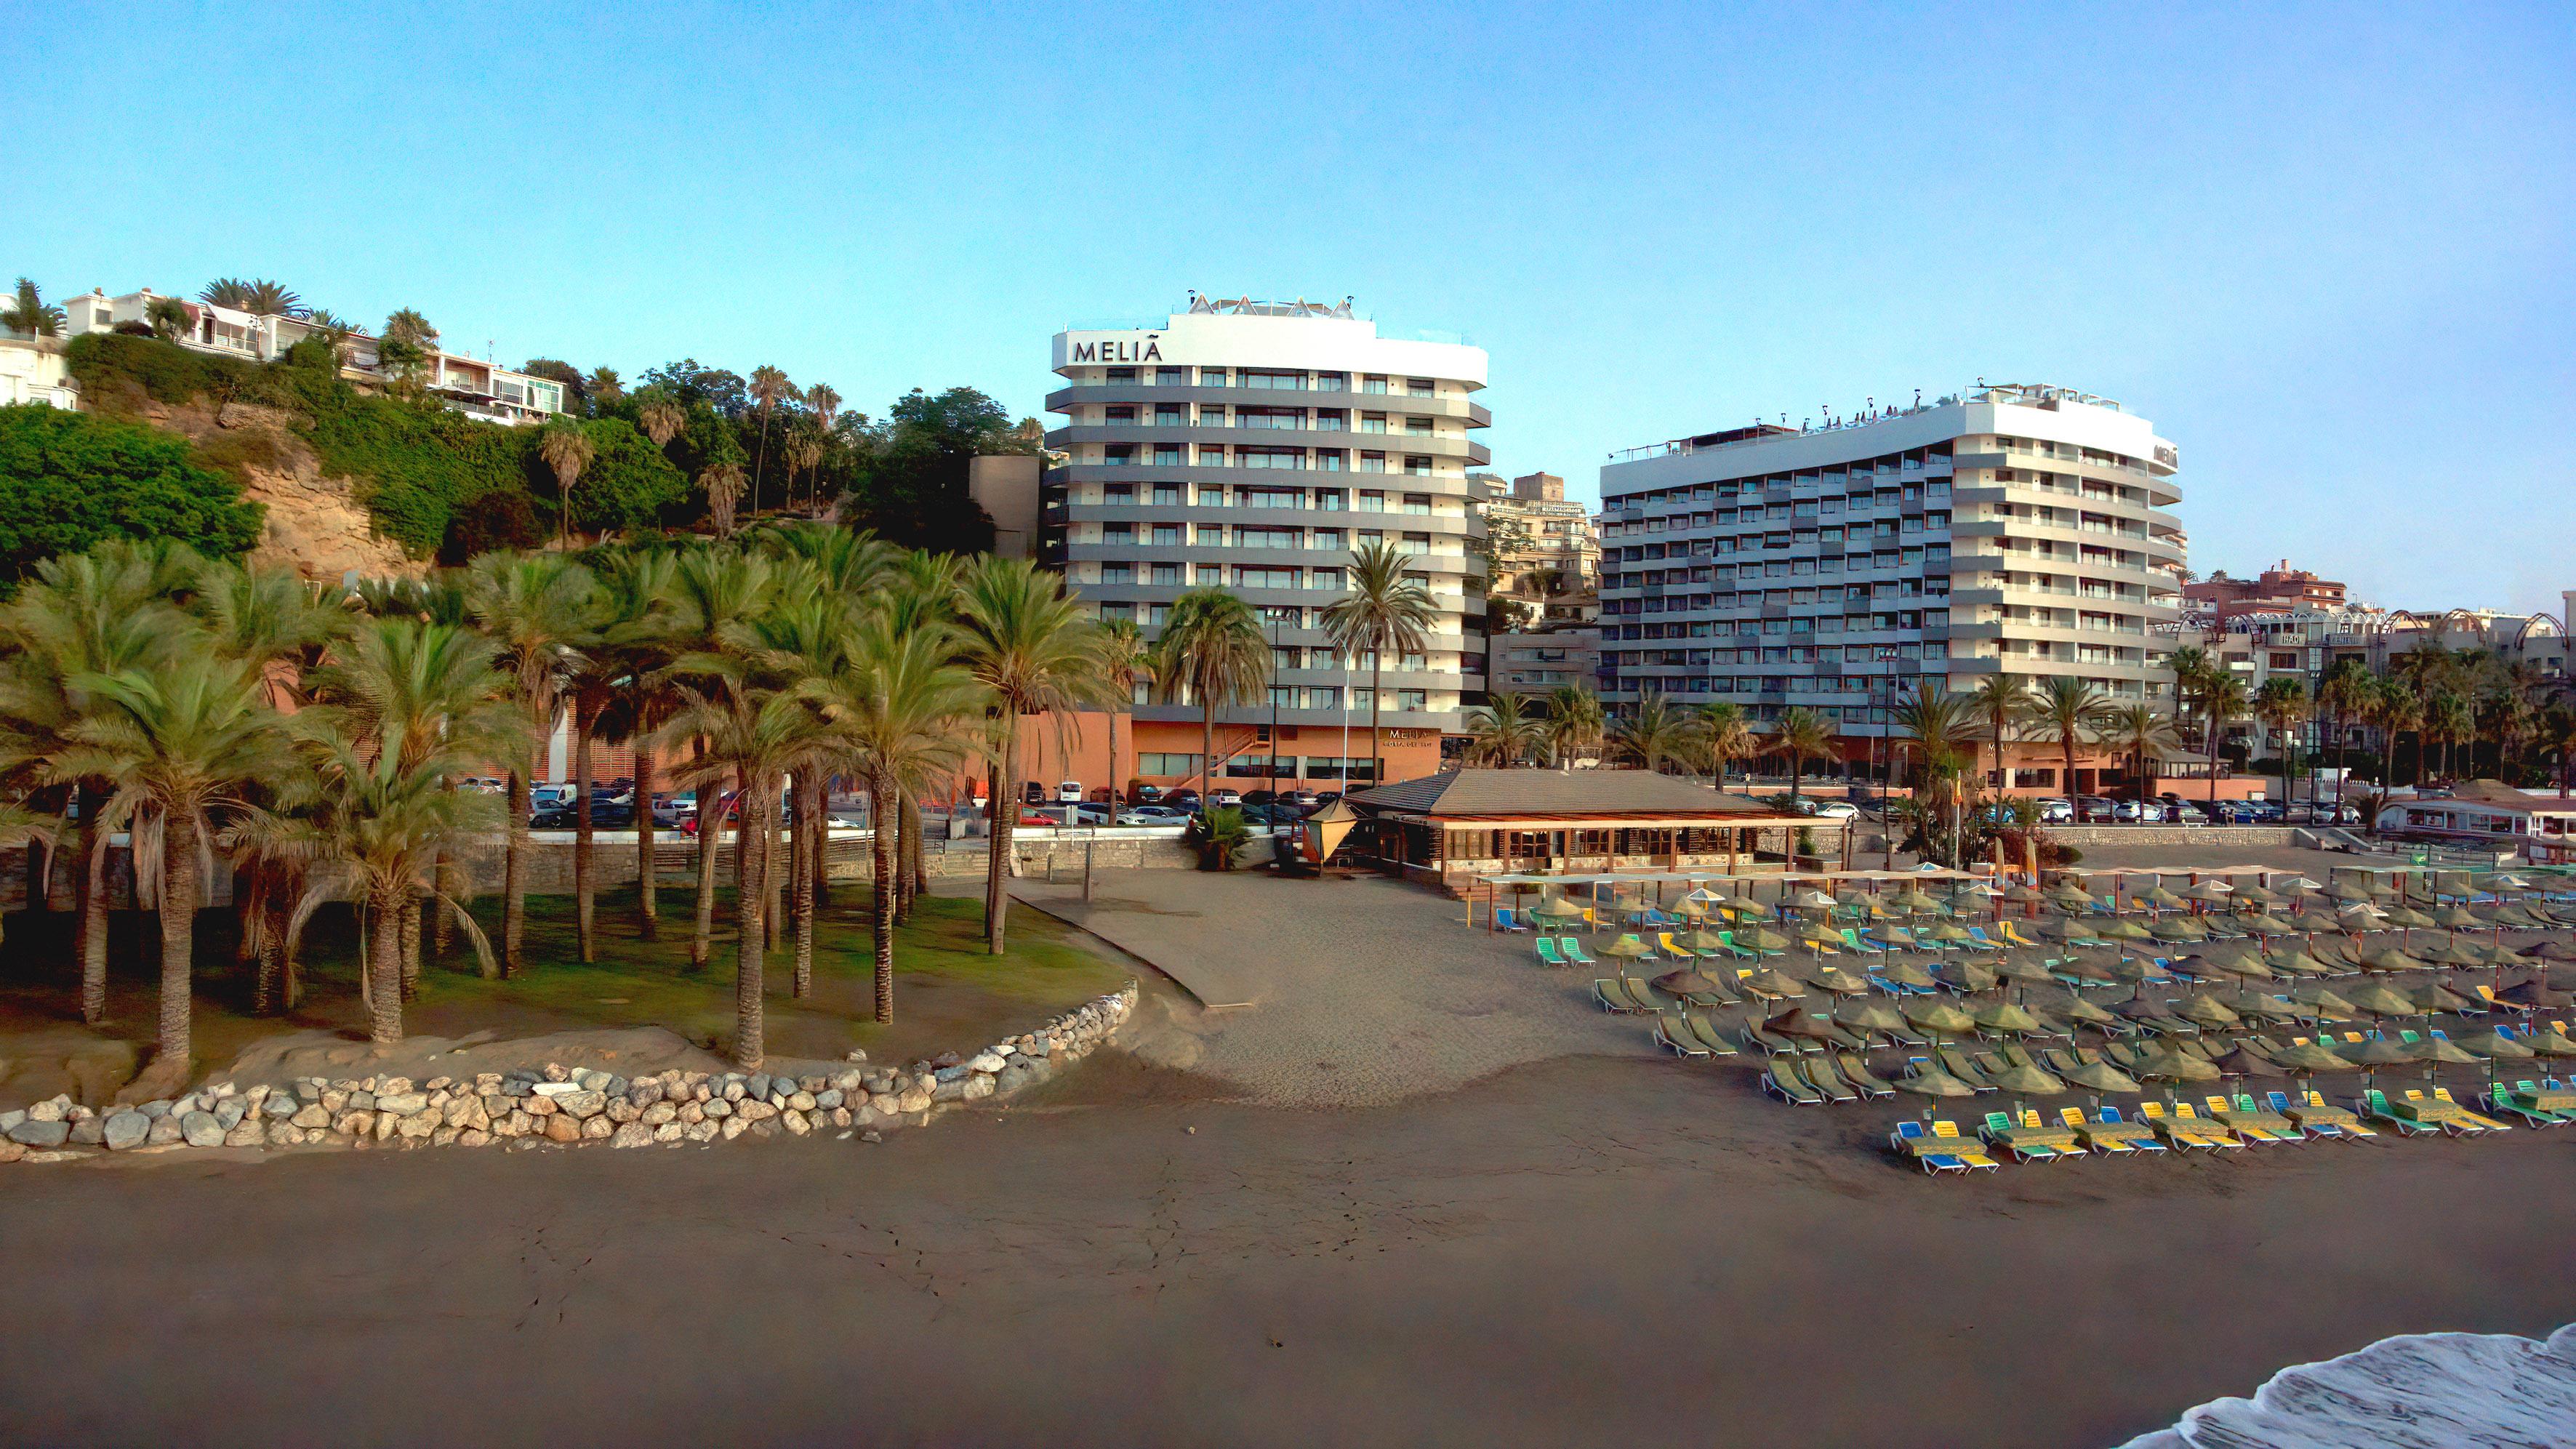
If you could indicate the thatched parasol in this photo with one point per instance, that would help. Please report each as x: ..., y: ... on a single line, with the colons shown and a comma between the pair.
x: 2458, y: 918
x: 2139, y: 1006
x: 1557, y: 908
x: 2295, y: 962
x: 2408, y: 918
x: 2556, y: 950
x: 2309, y: 1057
x: 2075, y: 1007
x: 1928, y: 1080
x: 2101, y: 1077
x: 1799, y: 1022
x: 2067, y: 928
x: 1840, y: 982
x: 2551, y: 1043
x: 1870, y: 1016
x: 1704, y: 941
x: 2239, y: 1062
x: 2206, y: 1010
x: 2170, y: 1066
x: 1945, y: 931
x: 2019, y: 968
x: 1763, y: 938
x: 2138, y: 969
x: 1939, y: 1016
x: 2324, y: 1001
x: 2084, y: 968
x: 1770, y: 982
x: 2437, y: 997
x: 2254, y: 1006
x: 1905, y: 973
x: 1687, y: 983
x: 2501, y: 957
x: 2240, y: 962
x: 2211, y: 892
x: 2022, y: 895
x: 2344, y: 890
x: 2314, y: 923
x: 2125, y: 931
x: 2178, y: 928
x: 1965, y: 975
x: 2491, y: 1043
x: 2003, y: 1016
x: 1912, y: 898
x: 1625, y: 946
x: 2257, y: 895
x: 2440, y: 1049
x: 2381, y: 1002
x: 2454, y: 953
x: 2158, y: 895
x: 2391, y: 959
x: 2538, y: 995
x: 2028, y: 1081
x: 2268, y: 924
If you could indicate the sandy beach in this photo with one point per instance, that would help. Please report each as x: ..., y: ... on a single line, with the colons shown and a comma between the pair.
x: 1585, y: 1250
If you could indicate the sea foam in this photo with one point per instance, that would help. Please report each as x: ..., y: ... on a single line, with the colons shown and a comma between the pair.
x: 2415, y: 1391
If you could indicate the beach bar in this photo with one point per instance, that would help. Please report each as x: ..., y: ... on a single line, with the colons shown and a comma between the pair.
x: 1455, y: 828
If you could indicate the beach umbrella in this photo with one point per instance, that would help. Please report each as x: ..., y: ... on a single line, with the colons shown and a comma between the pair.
x: 1912, y: 898
x: 2138, y: 969
x: 2391, y: 959
x: 2437, y: 997
x: 2381, y: 1002
x: 2211, y: 892
x: 2550, y: 1043
x: 1690, y: 910
x: 2019, y: 968
x: 2240, y: 962
x: 2433, y: 1049
x: 2324, y: 1002
x: 1967, y: 976
x: 2458, y: 918
x: 2537, y: 995
x: 2068, y: 1004
x: 1703, y: 896
x: 1704, y: 941
x: 1625, y: 946
x: 2309, y: 1057
x: 1686, y: 983
x: 2254, y: 1006
x: 1771, y: 983
x: 2240, y: 1062
x: 1813, y: 899
x: 2086, y: 969
x: 1939, y: 1016
x: 1841, y: 982
x: 2556, y: 950
x: 2206, y: 1010
x: 2344, y: 890
x: 1799, y: 1022
x: 2257, y: 895
x: 2294, y: 962
x: 2067, y: 928
x: 2101, y: 1077
x: 2492, y: 1043
x: 2124, y: 931
x: 2139, y: 1006
x: 2028, y: 1081
x: 1869, y: 1016
x: 1905, y: 973
x: 2158, y: 895
x: 1928, y: 1080
x: 2312, y: 923
x: 2172, y: 1066
x: 1945, y: 931
x: 2022, y: 895
x: 2379, y: 1052
x: 1745, y: 906
x: 1763, y: 938
x: 1819, y: 940
x: 2179, y: 929
x: 2408, y: 918
x: 2005, y: 1017
x: 2500, y: 957
x: 2268, y: 924
x: 1557, y: 908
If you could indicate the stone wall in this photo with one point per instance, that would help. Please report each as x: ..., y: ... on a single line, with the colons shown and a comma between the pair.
x: 561, y: 1107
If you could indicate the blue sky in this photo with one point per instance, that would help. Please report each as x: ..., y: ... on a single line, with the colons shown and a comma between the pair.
x: 2328, y: 250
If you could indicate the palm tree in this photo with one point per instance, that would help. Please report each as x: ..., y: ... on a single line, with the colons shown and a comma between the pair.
x: 1651, y: 732
x: 2342, y: 694
x: 185, y: 740
x: 2000, y: 699
x: 565, y: 446
x: 1504, y: 732
x: 2556, y: 733
x: 31, y: 314
x: 1800, y: 735
x: 535, y: 608
x: 1211, y: 651
x: 804, y: 454
x: 1037, y: 652
x: 714, y: 593
x: 2449, y: 720
x: 606, y: 391
x: 2222, y: 702
x: 769, y: 387
x: 825, y: 405
x: 659, y: 416
x: 1720, y: 733
x: 894, y: 711
x: 1126, y: 661
x: 723, y: 484
x: 2400, y: 710
x: 167, y: 317
x: 260, y: 298
x: 2280, y: 704
x: 1943, y: 729
x: 2143, y: 735
x: 2064, y: 708
x: 1574, y: 723
x: 408, y: 326
x: 1385, y: 611
x: 622, y: 639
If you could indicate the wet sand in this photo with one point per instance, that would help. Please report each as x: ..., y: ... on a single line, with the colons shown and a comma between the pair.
x: 1579, y: 1251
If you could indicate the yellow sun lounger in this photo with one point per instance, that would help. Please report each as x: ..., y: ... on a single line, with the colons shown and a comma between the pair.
x: 2180, y: 1129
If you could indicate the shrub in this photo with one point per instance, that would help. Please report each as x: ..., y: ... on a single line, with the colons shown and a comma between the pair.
x: 505, y: 518
x: 415, y: 464
x: 69, y: 480
x: 1218, y: 836
x: 103, y: 362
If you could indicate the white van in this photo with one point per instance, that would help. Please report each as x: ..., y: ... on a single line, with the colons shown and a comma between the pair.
x: 1068, y: 792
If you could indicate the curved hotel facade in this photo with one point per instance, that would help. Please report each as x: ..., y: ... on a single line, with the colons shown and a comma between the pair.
x: 1253, y: 446
x: 2021, y: 529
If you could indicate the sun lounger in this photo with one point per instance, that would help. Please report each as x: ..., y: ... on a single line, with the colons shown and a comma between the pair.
x: 1674, y: 1035
x: 2013, y: 935
x: 2522, y: 1102
x: 2182, y: 1135
x: 1740, y: 953
x: 2252, y: 1121
x: 1858, y: 943
x: 1611, y: 992
x: 1678, y: 953
x: 2423, y: 1109
x: 1946, y: 1131
x: 1826, y: 1078
x: 1910, y: 1139
x: 1548, y: 954
x: 2107, y: 1122
x: 1863, y: 1081
x: 2483, y: 1124
x: 1767, y: 1044
x: 1990, y: 1064
x: 2319, y: 1118
x: 1706, y: 1033
x: 1572, y: 950
x: 1956, y: 1063
x: 1781, y: 1080
x: 2374, y: 1105
x: 2113, y: 1145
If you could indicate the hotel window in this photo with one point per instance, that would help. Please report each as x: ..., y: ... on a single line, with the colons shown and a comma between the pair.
x: 1330, y: 420
x: 1265, y: 538
x: 1417, y: 503
x: 1372, y: 383
x: 1122, y: 374
x: 1271, y: 418
x: 1329, y: 460
x: 1286, y: 615
x: 1212, y: 456
x: 1372, y: 501
x: 1370, y: 538
x: 1270, y: 497
x: 1332, y: 382
x: 1417, y: 387
x: 1123, y: 414
x: 1211, y: 535
x: 1209, y: 573
x: 1324, y: 697
x: 1154, y: 763
x: 1155, y: 614
x: 1412, y: 701
x: 1270, y: 457
x: 1119, y: 455
x: 1167, y: 495
x: 1118, y: 533
x: 1255, y: 377
x: 1372, y: 462
x: 1372, y: 422
x: 1211, y: 495
x: 1167, y: 455
x: 1171, y: 377
x: 1252, y: 578
x: 1167, y: 535
x: 1287, y: 657
x: 1167, y: 573
x: 1325, y: 579
x: 1212, y: 416
x: 1328, y: 540
x: 1171, y: 415
x: 1419, y: 427
x: 1118, y: 494
x: 1414, y: 543
x: 1118, y: 573
x: 1211, y: 377
x: 1329, y: 500
x: 1118, y: 613
x: 1417, y: 466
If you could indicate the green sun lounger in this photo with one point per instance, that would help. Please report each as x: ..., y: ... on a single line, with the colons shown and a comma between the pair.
x: 1547, y: 952
x: 1781, y: 1080
x: 1674, y: 1035
x: 1572, y: 950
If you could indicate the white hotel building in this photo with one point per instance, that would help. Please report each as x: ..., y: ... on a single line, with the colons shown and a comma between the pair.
x: 2012, y: 528
x: 1253, y: 446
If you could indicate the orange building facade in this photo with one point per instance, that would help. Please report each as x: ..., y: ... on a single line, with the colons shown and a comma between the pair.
x: 1056, y: 748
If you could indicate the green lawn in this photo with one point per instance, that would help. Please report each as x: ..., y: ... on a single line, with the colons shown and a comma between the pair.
x: 949, y: 994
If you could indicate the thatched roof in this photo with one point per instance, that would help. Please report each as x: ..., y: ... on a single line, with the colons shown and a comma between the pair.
x: 1472, y: 794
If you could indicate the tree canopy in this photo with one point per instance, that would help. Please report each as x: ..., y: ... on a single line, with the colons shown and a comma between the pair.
x: 70, y: 480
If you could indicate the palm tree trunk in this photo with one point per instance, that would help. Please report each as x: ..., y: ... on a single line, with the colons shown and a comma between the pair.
x: 583, y: 835
x: 702, y: 931
x: 1006, y: 814
x: 92, y: 930
x: 384, y: 974
x: 2213, y: 759
x: 178, y: 944
x: 885, y: 894
x: 819, y: 864
x: 2066, y: 742
x: 276, y: 990
x: 774, y: 870
x: 1377, y: 701
x: 408, y: 910
x: 809, y: 850
x: 647, y: 912
x: 751, y: 893
x: 1114, y: 784
x: 912, y: 870
x: 514, y: 873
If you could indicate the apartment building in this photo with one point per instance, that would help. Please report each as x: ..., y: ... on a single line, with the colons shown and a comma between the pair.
x: 1546, y: 552
x: 2014, y: 528
x: 1253, y: 446
x: 475, y: 387
x: 31, y: 371
x: 2280, y: 587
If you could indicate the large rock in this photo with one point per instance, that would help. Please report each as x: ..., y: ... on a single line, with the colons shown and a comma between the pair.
x: 561, y: 1128
x: 126, y: 1129
x: 582, y: 1104
x: 165, y: 1131
x: 200, y: 1129
x: 401, y: 1104
x: 632, y: 1134
x: 597, y: 1129
x: 252, y: 1132
x: 41, y: 1134
x: 89, y: 1131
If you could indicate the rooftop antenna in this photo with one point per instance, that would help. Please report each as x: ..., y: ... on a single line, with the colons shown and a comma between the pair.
x: 1918, y: 397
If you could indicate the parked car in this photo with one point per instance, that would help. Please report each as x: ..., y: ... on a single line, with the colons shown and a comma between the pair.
x: 2056, y: 812
x: 2130, y: 812
x: 1030, y: 816
x: 1259, y: 797
x: 604, y: 815
x: 670, y: 810
x: 1068, y: 792
x: 1305, y: 799
x: 1829, y: 809
x: 1225, y: 799
x: 1185, y: 801
x: 2093, y: 809
x: 1152, y: 815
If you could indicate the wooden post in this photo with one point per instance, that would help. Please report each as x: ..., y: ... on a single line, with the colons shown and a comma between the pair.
x: 1086, y: 868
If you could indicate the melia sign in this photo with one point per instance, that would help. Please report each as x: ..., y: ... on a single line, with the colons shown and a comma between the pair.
x: 1148, y: 350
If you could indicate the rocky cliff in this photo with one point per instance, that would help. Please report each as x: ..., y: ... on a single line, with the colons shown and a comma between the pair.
x: 315, y: 524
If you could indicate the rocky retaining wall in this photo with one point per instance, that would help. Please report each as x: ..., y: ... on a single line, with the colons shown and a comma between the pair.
x: 2089, y: 836
x: 577, y: 1107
